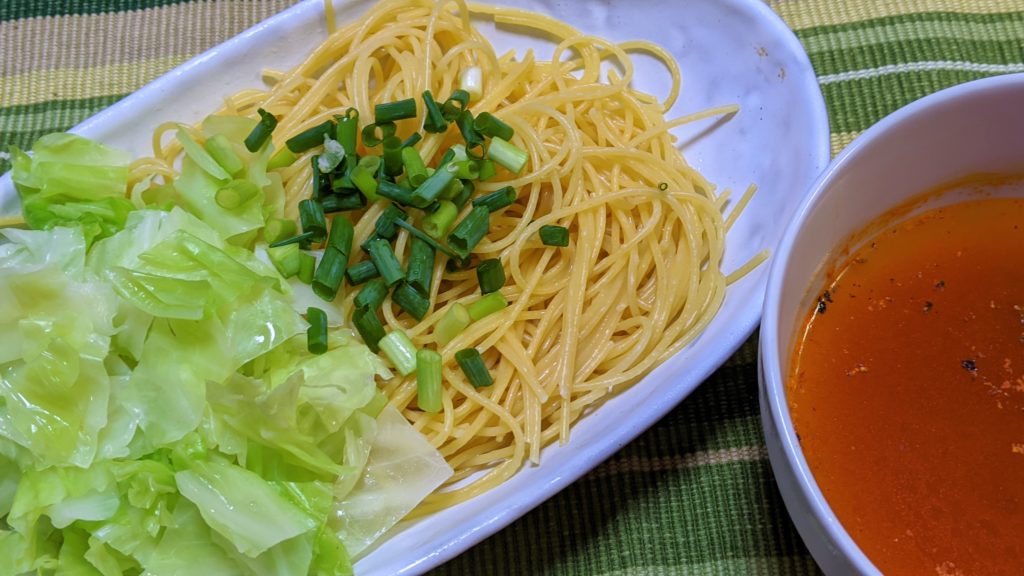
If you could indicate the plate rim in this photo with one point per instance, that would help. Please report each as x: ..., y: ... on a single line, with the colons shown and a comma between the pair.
x: 743, y: 326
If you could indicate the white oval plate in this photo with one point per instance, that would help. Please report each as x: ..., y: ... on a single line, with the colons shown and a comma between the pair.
x: 730, y: 51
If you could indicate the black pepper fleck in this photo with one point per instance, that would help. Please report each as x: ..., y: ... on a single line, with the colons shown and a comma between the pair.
x: 940, y: 284
x: 928, y: 306
x: 969, y: 365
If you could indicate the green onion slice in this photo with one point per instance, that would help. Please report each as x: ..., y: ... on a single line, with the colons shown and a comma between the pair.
x: 393, y: 111
x: 316, y: 334
x: 554, y: 235
x: 400, y: 350
x: 385, y: 261
x: 468, y: 233
x: 310, y: 138
x: 473, y: 367
x: 261, y: 132
x: 498, y: 199
x: 489, y: 125
x: 428, y: 380
x: 490, y: 275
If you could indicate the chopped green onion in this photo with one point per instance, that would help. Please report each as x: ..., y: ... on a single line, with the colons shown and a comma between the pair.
x: 410, y: 300
x: 370, y: 138
x: 279, y: 229
x: 236, y: 193
x: 488, y: 125
x: 341, y: 234
x: 422, y: 236
x: 431, y: 188
x: 468, y: 233
x: 412, y: 140
x: 365, y: 181
x: 297, y: 239
x: 318, y: 180
x: 395, y: 192
x: 384, y: 227
x: 316, y: 334
x: 438, y: 222
x: 282, y: 158
x: 450, y: 155
x: 310, y: 137
x: 285, y: 259
x: 222, y: 151
x: 428, y: 380
x: 498, y: 199
x: 361, y: 272
x: 348, y: 127
x: 328, y: 275
x: 420, y: 271
x: 458, y: 152
x: 392, y: 156
x: 454, y: 188
x: 333, y: 154
x: 663, y: 186
x: 451, y: 324
x: 554, y: 235
x: 385, y: 261
x: 400, y: 350
x: 454, y: 105
x: 415, y: 169
x: 487, y: 170
x: 473, y: 367
x: 508, y: 155
x: 371, y: 295
x: 472, y: 81
x: 311, y: 215
x: 462, y: 196
x: 473, y: 139
x: 369, y: 327
x: 370, y: 163
x: 261, y: 132
x: 393, y: 111
x: 465, y: 170
x: 307, y: 263
x: 490, y: 275
x: 200, y: 156
x: 343, y: 202
x: 487, y: 305
x: 434, y: 120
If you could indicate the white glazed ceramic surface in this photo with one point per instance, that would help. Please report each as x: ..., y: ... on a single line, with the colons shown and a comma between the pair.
x: 730, y: 51
x: 970, y: 129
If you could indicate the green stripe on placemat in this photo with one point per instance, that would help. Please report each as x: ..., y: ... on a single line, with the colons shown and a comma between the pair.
x: 19, y: 9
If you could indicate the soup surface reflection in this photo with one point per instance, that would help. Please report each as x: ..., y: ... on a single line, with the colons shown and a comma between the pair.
x: 907, y: 391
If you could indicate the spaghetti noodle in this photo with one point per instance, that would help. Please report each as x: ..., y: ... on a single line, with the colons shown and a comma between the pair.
x: 641, y: 277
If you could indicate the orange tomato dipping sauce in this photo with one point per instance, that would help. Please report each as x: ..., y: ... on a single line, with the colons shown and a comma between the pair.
x: 907, y: 391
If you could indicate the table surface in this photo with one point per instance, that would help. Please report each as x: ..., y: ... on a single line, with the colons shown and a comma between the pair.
x: 693, y: 495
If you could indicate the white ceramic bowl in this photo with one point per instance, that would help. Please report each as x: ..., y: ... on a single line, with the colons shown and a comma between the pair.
x: 968, y: 129
x: 730, y: 51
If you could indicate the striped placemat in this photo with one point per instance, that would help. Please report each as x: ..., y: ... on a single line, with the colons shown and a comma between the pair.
x: 695, y: 494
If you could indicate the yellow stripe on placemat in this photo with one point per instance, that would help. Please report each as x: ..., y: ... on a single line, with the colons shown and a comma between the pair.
x: 91, y: 40
x: 78, y: 83
x: 813, y: 13
x: 840, y: 140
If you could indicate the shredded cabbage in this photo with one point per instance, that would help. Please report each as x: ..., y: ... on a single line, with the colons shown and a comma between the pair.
x: 159, y: 411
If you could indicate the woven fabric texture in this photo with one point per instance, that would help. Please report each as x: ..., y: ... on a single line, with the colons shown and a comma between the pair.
x: 695, y: 494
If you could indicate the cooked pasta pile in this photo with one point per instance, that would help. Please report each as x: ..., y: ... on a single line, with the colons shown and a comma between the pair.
x: 641, y: 277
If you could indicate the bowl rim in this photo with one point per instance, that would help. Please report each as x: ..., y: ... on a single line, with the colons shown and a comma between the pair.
x: 773, y: 381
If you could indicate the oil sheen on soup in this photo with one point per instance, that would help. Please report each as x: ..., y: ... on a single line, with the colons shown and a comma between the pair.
x: 907, y: 390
